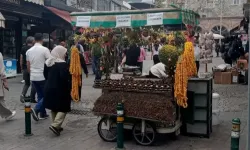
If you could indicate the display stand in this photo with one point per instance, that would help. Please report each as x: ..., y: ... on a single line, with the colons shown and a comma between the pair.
x: 201, y: 102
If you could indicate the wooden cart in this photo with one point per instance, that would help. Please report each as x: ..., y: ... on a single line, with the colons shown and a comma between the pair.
x: 144, y: 129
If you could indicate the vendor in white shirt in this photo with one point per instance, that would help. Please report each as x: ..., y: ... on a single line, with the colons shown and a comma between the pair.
x: 158, y: 71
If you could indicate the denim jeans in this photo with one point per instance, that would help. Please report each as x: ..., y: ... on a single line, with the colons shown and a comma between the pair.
x: 39, y: 86
x: 98, y: 74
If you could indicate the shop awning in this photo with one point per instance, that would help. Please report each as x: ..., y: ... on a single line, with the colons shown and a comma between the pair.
x: 137, y: 18
x: 142, y: 5
x: 2, y: 21
x: 60, y: 5
x: 62, y: 14
x: 39, y: 2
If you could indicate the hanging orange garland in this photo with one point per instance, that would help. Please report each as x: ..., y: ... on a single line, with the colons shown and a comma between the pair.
x: 185, y: 68
x: 76, y: 72
x: 189, y: 59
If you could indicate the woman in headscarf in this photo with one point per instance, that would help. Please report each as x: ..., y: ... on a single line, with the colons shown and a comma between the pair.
x: 57, y: 88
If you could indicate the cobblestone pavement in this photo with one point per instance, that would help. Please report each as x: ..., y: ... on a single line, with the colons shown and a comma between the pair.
x: 80, y: 131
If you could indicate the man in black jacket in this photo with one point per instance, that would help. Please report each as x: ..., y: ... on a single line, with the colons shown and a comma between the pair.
x: 26, y: 76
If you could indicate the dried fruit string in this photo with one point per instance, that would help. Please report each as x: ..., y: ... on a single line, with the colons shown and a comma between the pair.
x: 185, y: 68
x: 76, y: 72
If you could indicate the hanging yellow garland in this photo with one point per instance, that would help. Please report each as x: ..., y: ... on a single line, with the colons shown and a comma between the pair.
x: 189, y: 59
x: 185, y: 68
x: 76, y: 72
x: 180, y: 87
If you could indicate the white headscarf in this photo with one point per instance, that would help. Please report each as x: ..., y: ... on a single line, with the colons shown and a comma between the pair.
x: 57, y: 55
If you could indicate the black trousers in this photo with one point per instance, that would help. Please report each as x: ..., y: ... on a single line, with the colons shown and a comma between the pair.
x: 80, y: 89
x: 156, y: 59
x: 140, y: 65
x: 151, y: 75
x: 197, y: 65
x: 26, y: 77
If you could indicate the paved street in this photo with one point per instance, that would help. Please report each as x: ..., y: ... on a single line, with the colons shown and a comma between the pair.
x: 80, y: 131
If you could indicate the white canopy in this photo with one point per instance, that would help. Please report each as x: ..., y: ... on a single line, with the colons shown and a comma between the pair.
x: 218, y: 36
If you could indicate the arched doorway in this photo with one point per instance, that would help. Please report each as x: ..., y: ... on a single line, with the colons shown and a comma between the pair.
x: 216, y: 30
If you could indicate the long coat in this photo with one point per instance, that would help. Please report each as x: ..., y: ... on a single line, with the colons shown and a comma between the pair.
x: 2, y: 75
x: 57, y: 88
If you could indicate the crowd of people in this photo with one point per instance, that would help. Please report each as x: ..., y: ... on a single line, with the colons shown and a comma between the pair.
x: 47, y: 72
x: 233, y: 49
x: 135, y: 54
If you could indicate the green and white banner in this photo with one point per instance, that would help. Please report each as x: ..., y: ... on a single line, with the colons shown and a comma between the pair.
x: 123, y: 21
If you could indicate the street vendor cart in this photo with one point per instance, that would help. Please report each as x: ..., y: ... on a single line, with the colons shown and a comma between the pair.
x: 149, y: 104
x: 149, y: 109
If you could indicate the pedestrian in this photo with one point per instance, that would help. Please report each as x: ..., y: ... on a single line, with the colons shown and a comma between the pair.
x: 158, y: 71
x: 131, y: 55
x: 26, y: 75
x: 57, y: 88
x: 62, y: 42
x: 80, y: 47
x: 142, y: 57
x: 217, y: 48
x: 197, y: 53
x: 155, y: 52
x: 81, y: 65
x: 225, y: 49
x: 36, y: 57
x: 246, y: 56
x: 84, y: 69
x: 96, y: 53
x: 4, y: 111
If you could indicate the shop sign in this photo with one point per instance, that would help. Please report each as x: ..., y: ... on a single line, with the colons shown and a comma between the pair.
x: 155, y: 19
x: 83, y: 21
x: 10, y: 67
x: 13, y: 1
x: 123, y: 21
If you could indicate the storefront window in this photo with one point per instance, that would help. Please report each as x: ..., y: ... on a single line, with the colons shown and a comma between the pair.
x: 8, y: 43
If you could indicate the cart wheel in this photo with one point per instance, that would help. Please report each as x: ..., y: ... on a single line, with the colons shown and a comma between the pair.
x: 148, y: 137
x: 108, y: 134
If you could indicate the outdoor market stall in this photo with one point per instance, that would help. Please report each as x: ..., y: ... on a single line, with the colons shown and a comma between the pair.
x: 135, y: 18
x: 151, y: 106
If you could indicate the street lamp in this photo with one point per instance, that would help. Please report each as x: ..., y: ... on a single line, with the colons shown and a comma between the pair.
x: 221, y: 1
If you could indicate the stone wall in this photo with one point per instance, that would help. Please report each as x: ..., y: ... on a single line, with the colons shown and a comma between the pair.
x: 210, y: 11
x: 229, y: 22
